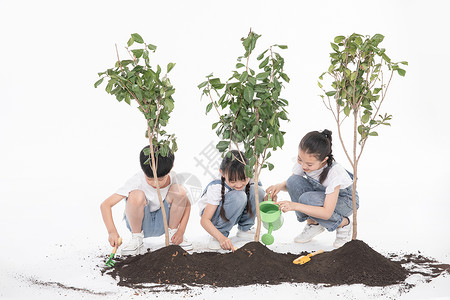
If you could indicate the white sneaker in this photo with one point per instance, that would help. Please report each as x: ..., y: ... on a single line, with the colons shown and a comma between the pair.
x: 248, y: 235
x: 135, y: 246
x: 185, y: 244
x: 214, y: 244
x: 308, y: 233
x: 343, y: 235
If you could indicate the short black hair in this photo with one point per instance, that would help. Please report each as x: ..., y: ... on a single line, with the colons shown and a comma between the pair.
x: 164, y: 163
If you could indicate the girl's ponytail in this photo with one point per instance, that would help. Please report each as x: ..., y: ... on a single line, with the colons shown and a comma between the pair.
x: 249, y: 207
x: 222, y: 210
x: 327, y: 134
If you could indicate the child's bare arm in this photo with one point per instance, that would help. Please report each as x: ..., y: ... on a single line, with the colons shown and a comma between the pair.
x: 206, y: 223
x: 105, y: 208
x: 322, y: 212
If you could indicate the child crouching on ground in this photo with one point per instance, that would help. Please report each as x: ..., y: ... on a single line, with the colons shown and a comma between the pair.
x: 228, y: 201
x: 320, y: 190
x: 143, y: 214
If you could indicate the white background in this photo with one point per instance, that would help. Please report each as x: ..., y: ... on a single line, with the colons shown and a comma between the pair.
x: 66, y: 146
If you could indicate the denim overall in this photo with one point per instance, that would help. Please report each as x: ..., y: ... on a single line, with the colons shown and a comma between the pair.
x: 235, y: 207
x: 307, y: 190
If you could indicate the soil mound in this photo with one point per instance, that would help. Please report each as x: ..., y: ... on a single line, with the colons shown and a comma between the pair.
x: 355, y: 262
x: 254, y: 263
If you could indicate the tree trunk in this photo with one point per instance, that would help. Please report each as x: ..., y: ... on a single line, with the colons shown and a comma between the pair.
x: 355, y: 176
x: 158, y: 190
x: 258, y: 215
x: 355, y: 211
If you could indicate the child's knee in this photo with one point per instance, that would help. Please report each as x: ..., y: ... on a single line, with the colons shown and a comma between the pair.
x: 136, y: 198
x: 177, y: 194
x: 239, y: 198
x: 292, y: 180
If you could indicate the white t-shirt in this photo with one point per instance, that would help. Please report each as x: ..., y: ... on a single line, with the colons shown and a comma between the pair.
x: 337, y: 175
x: 138, y: 182
x: 212, y: 196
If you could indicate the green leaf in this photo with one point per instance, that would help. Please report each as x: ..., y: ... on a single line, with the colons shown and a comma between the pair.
x: 168, y: 103
x: 347, y: 110
x: 151, y: 47
x: 243, y: 76
x: 262, y: 55
x: 282, y: 46
x: 330, y: 93
x: 262, y: 76
x: 130, y: 42
x: 270, y: 166
x: 365, y: 118
x: 203, y: 84
x: 137, y: 38
x: 353, y: 76
x: 222, y: 146
x: 404, y: 63
x: 252, y: 80
x: 321, y: 76
x: 248, y: 94
x: 358, y: 41
x: 320, y: 85
x: 170, y: 67
x: 285, y: 77
x: 264, y: 63
x: 335, y: 47
x: 339, y: 39
x: 377, y: 38
x: 260, y: 144
x: 214, y: 125
x: 98, y: 82
x: 209, y: 107
x: 401, y: 72
x: 279, y: 140
x: 239, y: 65
x: 373, y: 133
x: 137, y: 52
x: 360, y: 129
x: 109, y: 87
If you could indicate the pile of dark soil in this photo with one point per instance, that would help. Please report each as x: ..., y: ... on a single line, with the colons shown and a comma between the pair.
x: 254, y: 263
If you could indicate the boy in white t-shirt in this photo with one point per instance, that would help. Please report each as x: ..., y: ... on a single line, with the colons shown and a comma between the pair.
x: 143, y: 214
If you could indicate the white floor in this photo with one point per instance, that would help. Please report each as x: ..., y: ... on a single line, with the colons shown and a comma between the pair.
x: 45, y: 245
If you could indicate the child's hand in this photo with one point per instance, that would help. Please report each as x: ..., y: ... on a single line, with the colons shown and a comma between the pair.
x: 273, y: 190
x: 226, y: 244
x: 114, y: 239
x: 177, y: 238
x: 286, y: 205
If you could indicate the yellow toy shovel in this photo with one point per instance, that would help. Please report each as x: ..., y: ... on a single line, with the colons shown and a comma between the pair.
x: 305, y: 258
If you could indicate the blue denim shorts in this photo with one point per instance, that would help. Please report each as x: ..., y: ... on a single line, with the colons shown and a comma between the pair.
x: 153, y: 223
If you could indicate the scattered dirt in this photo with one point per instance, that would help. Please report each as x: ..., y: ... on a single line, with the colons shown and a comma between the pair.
x: 65, y: 287
x: 254, y: 263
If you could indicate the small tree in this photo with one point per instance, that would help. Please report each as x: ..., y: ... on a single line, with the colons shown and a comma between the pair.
x: 135, y: 79
x: 253, y: 110
x: 361, y: 73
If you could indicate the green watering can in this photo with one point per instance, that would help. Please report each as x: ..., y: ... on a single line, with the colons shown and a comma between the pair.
x: 271, y: 218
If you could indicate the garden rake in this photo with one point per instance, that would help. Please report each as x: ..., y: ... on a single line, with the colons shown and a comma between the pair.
x: 110, y: 262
